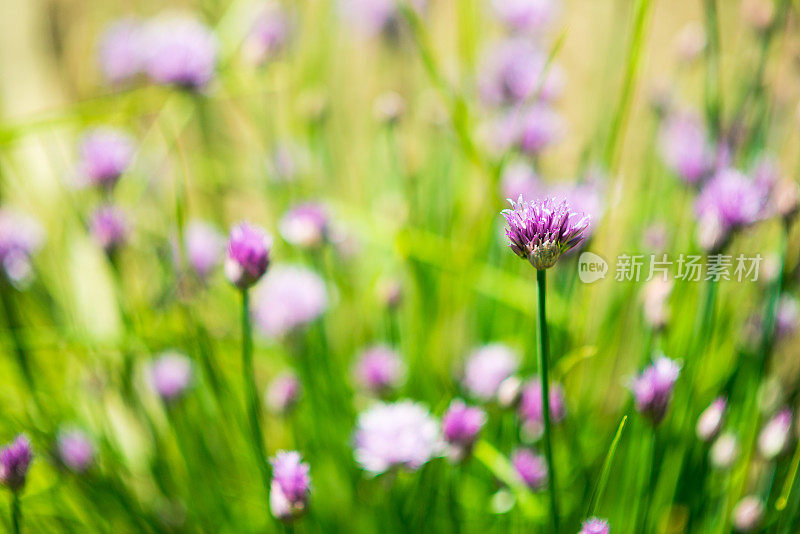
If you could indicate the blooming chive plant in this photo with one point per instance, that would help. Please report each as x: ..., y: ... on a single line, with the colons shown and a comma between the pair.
x: 375, y: 367
x: 291, y: 486
x: 540, y: 232
x: 402, y: 434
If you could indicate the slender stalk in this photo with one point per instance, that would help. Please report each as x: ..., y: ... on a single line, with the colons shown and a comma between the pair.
x: 14, y: 329
x: 633, y: 63
x: 16, y: 513
x: 544, y: 356
x: 251, y: 392
x: 603, y: 480
x: 713, y: 93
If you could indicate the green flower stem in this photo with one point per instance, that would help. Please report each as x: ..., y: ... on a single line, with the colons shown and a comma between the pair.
x: 251, y: 392
x: 14, y: 329
x: 16, y: 513
x: 544, y: 356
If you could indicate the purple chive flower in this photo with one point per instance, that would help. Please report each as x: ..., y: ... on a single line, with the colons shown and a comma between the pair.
x: 289, y: 297
x: 519, y: 179
x: 283, y: 393
x: 530, y: 467
x: 656, y: 295
x: 269, y: 34
x: 710, y: 421
x: 542, y: 230
x: 724, y: 452
x: 785, y: 199
x: 486, y: 368
x: 685, y: 147
x: 748, y: 514
x: 787, y: 317
x: 120, y: 52
x: 388, y: 107
x: 530, y: 405
x: 652, y: 389
x: 511, y: 73
x: 171, y: 374
x: 15, y: 459
x: 774, y: 437
x: 728, y: 201
x: 75, y: 450
x: 286, y: 162
x: 538, y: 127
x: 370, y: 17
x: 109, y: 228
x: 390, y: 293
x: 527, y: 15
x: 105, y: 153
x: 733, y: 198
x: 305, y: 226
x: 401, y: 434
x: 248, y: 255
x: 290, y: 487
x: 20, y: 237
x: 460, y: 426
x: 595, y: 525
x: 204, y: 247
x: 656, y: 237
x: 181, y: 51
x: 690, y: 41
x: 380, y: 369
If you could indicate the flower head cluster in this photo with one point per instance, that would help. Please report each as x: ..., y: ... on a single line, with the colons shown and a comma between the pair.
x: 595, y: 525
x: 105, y: 153
x: 530, y: 405
x: 379, y: 369
x: 109, y: 228
x: 370, y: 17
x: 269, y: 34
x: 174, y: 49
x: 512, y: 71
x: 248, y: 255
x: 305, y: 226
x: 530, y: 467
x: 20, y: 237
x: 283, y: 393
x: 120, y: 51
x: 685, y: 147
x: 527, y: 15
x: 15, y: 459
x: 289, y: 297
x: 402, y: 434
x: 290, y: 487
x: 486, y: 368
x: 787, y: 317
x: 75, y: 450
x: 725, y: 451
x: 728, y: 201
x: 656, y: 295
x: 461, y: 425
x: 748, y: 514
x: 652, y: 389
x: 171, y: 374
x: 541, y: 231
x: 710, y: 421
x: 181, y: 51
x: 774, y: 437
x: 204, y: 247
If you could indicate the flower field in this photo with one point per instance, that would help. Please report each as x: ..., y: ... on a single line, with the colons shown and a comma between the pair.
x: 459, y: 266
